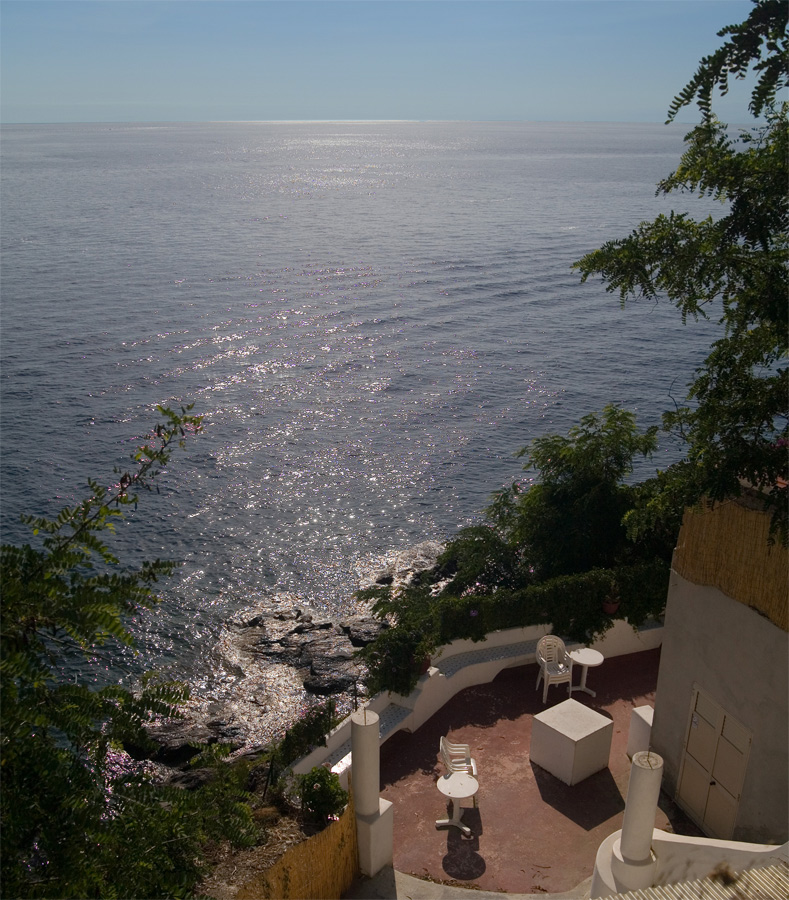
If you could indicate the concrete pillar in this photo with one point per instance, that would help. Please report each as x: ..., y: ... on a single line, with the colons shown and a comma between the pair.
x: 374, y: 816
x: 366, y: 760
x: 640, y: 735
x: 633, y: 863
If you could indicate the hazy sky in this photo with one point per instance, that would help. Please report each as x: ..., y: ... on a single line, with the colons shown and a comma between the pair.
x: 202, y: 60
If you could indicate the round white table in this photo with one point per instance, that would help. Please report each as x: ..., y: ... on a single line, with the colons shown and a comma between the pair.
x: 587, y: 658
x: 457, y: 786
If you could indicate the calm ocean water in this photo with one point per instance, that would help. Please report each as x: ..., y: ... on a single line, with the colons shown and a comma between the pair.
x: 372, y: 317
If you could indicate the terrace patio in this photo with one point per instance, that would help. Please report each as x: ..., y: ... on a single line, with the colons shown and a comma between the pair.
x: 531, y: 833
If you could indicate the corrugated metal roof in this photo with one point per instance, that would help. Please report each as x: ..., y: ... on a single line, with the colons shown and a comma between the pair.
x: 767, y: 883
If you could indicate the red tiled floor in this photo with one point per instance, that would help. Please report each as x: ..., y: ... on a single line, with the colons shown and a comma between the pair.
x: 531, y: 832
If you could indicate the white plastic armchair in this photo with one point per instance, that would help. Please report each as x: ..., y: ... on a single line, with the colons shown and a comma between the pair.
x: 555, y: 664
x: 457, y: 757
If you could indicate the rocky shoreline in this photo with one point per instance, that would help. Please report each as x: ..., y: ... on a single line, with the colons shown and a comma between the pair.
x: 275, y: 656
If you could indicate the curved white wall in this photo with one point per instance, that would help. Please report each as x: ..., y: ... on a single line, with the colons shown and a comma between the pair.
x: 435, y: 689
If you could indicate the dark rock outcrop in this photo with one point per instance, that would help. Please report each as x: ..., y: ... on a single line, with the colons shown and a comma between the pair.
x: 362, y: 630
x: 324, y: 649
x: 176, y: 742
x: 401, y: 567
x: 272, y: 651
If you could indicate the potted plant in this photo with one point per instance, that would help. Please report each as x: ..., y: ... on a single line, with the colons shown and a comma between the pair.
x: 612, y: 600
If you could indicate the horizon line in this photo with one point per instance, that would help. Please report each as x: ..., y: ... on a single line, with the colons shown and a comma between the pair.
x: 355, y: 121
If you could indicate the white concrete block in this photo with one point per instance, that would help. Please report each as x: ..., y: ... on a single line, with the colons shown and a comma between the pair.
x: 375, y: 835
x: 571, y: 741
x: 640, y: 732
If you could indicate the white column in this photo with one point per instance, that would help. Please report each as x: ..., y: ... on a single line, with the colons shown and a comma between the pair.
x: 633, y: 863
x: 374, y: 816
x: 366, y: 761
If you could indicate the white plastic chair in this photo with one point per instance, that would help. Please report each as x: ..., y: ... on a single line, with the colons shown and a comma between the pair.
x: 457, y: 757
x: 556, y: 667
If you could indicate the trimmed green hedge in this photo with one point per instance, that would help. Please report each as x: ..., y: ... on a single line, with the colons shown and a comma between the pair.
x: 573, y: 604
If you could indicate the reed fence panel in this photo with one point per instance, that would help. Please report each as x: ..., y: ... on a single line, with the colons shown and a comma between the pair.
x: 322, y: 867
x: 727, y: 546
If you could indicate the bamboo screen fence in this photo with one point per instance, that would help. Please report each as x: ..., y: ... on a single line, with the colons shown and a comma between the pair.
x: 321, y: 868
x: 727, y: 546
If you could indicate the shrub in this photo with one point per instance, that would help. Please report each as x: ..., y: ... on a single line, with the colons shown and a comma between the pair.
x: 73, y: 825
x: 394, y: 658
x: 321, y: 794
x: 306, y: 733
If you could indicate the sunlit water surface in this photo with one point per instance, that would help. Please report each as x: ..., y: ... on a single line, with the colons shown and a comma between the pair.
x: 371, y: 317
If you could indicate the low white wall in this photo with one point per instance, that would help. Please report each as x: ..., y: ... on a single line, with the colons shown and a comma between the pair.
x: 622, y: 638
x: 683, y: 858
x: 435, y: 689
x: 492, y: 639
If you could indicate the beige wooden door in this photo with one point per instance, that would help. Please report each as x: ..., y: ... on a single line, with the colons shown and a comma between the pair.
x: 713, y: 766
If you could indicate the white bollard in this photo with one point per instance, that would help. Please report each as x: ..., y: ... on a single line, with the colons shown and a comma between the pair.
x: 633, y: 863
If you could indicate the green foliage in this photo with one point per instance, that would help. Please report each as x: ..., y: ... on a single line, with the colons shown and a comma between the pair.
x: 483, y: 557
x: 548, y: 554
x: 71, y: 590
x: 601, y: 448
x: 573, y: 604
x: 763, y: 30
x: 735, y: 418
x: 568, y: 522
x: 394, y: 658
x: 572, y: 520
x: 655, y: 517
x: 148, y: 842
x: 306, y: 733
x: 73, y: 823
x: 321, y: 795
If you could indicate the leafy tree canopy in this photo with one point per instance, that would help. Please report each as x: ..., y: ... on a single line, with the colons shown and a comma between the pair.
x: 568, y: 522
x: 733, y: 267
x: 550, y: 552
x: 72, y: 825
x: 759, y: 42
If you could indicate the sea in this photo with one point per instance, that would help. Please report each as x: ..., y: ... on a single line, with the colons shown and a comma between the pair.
x: 372, y: 317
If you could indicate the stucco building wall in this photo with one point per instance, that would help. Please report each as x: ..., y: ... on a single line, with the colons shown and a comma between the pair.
x: 740, y: 659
